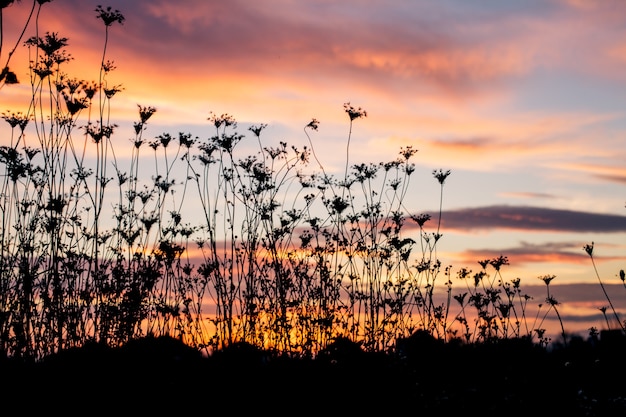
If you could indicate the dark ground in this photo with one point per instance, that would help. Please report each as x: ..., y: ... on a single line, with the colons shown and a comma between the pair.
x: 163, y: 377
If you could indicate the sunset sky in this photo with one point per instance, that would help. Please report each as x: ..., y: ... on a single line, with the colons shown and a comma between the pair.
x: 523, y: 100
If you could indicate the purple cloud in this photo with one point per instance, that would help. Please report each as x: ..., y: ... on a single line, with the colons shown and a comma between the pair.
x: 532, y: 218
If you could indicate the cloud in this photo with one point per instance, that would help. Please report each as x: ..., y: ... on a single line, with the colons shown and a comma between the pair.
x: 517, y: 140
x: 513, y: 194
x: 447, y: 51
x: 329, y: 41
x: 608, y: 172
x: 529, y: 254
x: 528, y: 218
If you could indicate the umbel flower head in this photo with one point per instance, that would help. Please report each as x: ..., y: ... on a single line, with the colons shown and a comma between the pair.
x: 109, y: 16
x: 547, y: 278
x: 16, y: 119
x: 8, y: 76
x: 145, y: 112
x: 50, y: 44
x: 256, y: 129
x: 353, y: 112
x: 441, y: 175
x: 313, y: 124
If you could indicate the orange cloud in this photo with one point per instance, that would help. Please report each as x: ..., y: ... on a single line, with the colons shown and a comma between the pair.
x: 481, y: 142
x: 520, y: 258
x: 609, y: 172
x: 526, y: 195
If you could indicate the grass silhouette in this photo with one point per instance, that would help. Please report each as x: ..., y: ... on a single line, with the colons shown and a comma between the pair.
x: 306, y: 289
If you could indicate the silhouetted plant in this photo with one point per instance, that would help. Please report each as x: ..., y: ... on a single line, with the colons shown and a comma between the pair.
x: 289, y: 258
x: 589, y: 250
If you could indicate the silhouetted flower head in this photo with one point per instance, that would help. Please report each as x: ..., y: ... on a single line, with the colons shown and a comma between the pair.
x: 407, y: 152
x: 463, y: 273
x: 504, y: 309
x: 97, y: 132
x: 478, y: 277
x: 276, y: 152
x: 108, y: 66
x: 50, y: 44
x: 69, y: 85
x: 547, y: 278
x: 145, y: 113
x: 441, y: 175
x: 338, y: 204
x: 353, y: 112
x: 43, y: 69
x: 499, y: 261
x: 390, y: 165
x: 110, y: 92
x: 75, y: 104
x: 256, y: 129
x: 589, y: 249
x: 122, y: 177
x: 165, y: 139
x: 137, y: 142
x: 8, y: 76
x: 421, y: 219
x: 313, y: 124
x: 460, y: 298
x: 31, y: 152
x: 109, y: 16
x: 90, y: 89
x: 16, y: 119
x: 552, y: 301
x: 185, y: 140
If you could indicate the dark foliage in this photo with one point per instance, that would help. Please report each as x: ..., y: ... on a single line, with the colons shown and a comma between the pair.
x: 423, y: 377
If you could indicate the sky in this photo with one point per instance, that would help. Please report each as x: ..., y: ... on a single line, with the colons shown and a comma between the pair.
x: 523, y: 101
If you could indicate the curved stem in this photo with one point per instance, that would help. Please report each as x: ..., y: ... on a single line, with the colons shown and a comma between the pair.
x: 17, y: 42
x: 606, y: 294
